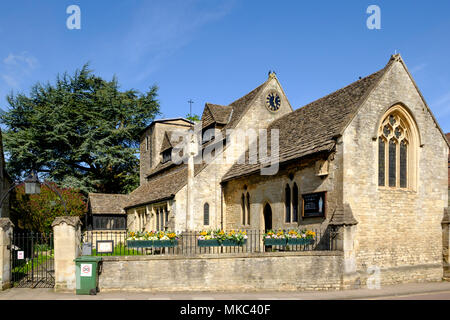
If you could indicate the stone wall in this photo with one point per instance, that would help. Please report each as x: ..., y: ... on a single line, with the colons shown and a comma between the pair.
x: 399, y: 230
x: 317, y: 270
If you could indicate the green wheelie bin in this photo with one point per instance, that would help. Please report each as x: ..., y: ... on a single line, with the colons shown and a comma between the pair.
x: 87, y: 271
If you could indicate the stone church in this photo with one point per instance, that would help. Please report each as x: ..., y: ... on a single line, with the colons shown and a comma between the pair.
x: 369, y: 160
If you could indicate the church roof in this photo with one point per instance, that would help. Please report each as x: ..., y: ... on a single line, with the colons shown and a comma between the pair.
x: 343, y: 215
x: 214, y: 113
x: 241, y: 105
x: 314, y: 127
x: 160, y: 187
x: 103, y: 203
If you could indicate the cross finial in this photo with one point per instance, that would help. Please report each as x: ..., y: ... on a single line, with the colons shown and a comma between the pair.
x: 190, y: 106
x: 272, y: 74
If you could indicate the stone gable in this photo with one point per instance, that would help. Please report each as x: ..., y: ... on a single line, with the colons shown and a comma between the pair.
x: 396, y: 227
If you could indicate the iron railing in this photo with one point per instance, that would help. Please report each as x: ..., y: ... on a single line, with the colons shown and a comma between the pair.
x: 188, y: 244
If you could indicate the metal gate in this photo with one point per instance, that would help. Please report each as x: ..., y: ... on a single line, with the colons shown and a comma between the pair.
x: 32, y: 260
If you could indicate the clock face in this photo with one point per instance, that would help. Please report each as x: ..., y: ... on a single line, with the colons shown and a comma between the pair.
x: 273, y: 101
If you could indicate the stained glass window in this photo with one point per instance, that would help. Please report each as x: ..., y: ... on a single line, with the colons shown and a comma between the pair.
x: 392, y: 162
x: 395, y: 151
x: 392, y: 120
x: 403, y: 164
x: 381, y: 162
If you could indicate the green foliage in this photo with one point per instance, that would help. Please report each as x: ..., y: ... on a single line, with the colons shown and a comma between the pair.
x: 37, y: 212
x: 119, y: 250
x: 82, y: 132
x: 193, y: 117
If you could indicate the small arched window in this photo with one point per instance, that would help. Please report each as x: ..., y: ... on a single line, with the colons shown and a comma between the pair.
x: 287, y: 203
x: 248, y: 209
x: 397, y: 138
x: 295, y: 203
x: 206, y: 214
x: 243, y: 209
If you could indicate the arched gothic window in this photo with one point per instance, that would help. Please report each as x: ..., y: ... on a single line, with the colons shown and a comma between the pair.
x: 206, y: 214
x: 248, y: 209
x: 397, y: 138
x: 243, y: 209
x: 295, y: 203
x: 287, y: 203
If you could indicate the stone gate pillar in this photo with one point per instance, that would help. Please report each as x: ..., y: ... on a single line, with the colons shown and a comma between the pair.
x: 345, y: 226
x: 6, y: 229
x: 67, y: 247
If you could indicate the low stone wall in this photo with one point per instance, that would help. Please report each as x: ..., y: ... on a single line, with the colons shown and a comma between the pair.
x: 404, y: 274
x: 314, y: 270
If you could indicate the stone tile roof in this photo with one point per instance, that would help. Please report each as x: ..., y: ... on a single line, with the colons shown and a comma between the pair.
x: 214, y: 113
x: 343, y: 216
x: 103, y: 203
x: 242, y: 104
x: 161, y: 186
x: 314, y: 127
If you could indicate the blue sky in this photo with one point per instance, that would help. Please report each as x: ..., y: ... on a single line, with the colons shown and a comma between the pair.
x: 217, y: 51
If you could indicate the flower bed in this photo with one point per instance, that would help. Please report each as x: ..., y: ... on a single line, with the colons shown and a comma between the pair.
x: 155, y: 239
x: 216, y: 238
x: 291, y: 237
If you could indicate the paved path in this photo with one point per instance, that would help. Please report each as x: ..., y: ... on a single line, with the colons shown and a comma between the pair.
x: 436, y: 290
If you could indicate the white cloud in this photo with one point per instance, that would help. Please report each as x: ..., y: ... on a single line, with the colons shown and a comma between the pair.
x: 16, y: 67
x: 10, y: 80
x: 23, y: 60
x: 442, y: 105
x: 443, y: 99
x: 418, y: 67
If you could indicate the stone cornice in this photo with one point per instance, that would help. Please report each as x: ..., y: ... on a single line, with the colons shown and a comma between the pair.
x: 5, y: 224
x: 71, y: 221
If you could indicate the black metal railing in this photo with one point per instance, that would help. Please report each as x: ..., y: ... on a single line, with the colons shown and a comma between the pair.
x: 32, y: 260
x: 188, y: 244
